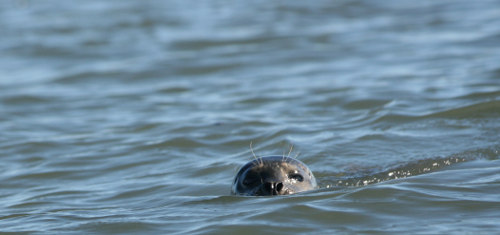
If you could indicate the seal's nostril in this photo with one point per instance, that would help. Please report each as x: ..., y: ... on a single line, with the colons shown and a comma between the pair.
x: 273, y: 188
x: 279, y: 187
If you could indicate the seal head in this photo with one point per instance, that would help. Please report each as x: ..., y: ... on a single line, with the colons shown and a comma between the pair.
x: 273, y: 175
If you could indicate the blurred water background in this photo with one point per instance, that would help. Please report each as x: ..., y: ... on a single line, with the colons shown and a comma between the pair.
x: 132, y: 117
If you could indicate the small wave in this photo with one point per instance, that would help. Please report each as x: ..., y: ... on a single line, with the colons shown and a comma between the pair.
x: 178, y: 142
x: 480, y: 110
x: 26, y: 100
x: 487, y: 109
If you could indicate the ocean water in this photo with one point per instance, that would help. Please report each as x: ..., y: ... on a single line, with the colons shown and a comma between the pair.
x: 132, y: 117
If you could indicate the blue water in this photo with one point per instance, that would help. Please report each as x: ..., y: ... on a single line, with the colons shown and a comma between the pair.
x: 133, y: 117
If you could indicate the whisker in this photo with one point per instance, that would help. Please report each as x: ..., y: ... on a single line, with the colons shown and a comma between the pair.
x: 258, y: 159
x: 283, y: 155
x: 251, y: 149
x: 291, y: 148
x: 296, y: 155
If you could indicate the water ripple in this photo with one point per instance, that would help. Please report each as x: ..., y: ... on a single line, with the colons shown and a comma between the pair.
x: 133, y: 117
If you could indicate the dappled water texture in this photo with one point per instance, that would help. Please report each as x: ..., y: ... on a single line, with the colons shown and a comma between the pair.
x: 133, y: 117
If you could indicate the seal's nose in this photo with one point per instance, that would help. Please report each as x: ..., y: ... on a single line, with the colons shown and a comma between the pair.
x: 273, y: 188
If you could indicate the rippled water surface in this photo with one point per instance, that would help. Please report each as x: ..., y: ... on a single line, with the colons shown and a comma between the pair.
x: 134, y: 116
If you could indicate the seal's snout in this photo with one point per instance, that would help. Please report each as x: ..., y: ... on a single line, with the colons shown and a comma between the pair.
x: 273, y: 188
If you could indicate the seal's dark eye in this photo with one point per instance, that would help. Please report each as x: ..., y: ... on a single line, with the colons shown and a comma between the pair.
x: 297, y: 177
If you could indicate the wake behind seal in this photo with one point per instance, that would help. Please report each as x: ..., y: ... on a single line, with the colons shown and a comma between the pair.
x: 273, y: 175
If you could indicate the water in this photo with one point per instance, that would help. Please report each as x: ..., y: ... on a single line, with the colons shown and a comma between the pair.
x: 133, y: 117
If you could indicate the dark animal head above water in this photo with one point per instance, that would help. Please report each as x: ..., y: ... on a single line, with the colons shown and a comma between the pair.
x: 273, y: 175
